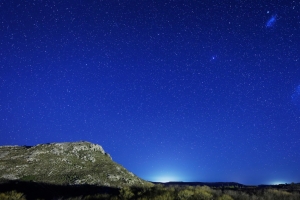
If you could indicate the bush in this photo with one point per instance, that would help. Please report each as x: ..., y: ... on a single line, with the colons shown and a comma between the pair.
x: 28, y: 178
x: 225, y: 197
x: 273, y: 194
x: 12, y: 195
x: 239, y: 195
x: 203, y: 193
x: 185, y: 194
x: 126, y: 193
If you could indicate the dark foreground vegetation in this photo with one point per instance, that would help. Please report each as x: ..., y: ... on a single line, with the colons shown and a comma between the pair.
x: 17, y: 190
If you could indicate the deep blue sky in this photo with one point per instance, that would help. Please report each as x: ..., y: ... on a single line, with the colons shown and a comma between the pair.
x: 173, y: 90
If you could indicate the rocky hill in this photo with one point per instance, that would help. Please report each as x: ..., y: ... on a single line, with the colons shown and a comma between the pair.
x: 73, y: 163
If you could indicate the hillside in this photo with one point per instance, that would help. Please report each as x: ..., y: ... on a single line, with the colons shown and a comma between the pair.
x: 73, y: 163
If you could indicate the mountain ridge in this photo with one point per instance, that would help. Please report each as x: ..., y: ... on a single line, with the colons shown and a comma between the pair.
x: 66, y: 163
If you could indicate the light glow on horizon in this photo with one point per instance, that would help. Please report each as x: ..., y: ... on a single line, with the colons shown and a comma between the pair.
x: 278, y: 182
x: 165, y: 179
x: 165, y: 176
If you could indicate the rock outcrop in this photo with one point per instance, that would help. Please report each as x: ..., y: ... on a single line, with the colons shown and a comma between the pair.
x: 64, y: 163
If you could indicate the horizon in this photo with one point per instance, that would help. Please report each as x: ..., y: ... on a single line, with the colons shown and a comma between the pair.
x: 272, y: 184
x: 168, y: 178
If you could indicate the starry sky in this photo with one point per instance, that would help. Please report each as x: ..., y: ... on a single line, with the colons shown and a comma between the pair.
x: 174, y: 90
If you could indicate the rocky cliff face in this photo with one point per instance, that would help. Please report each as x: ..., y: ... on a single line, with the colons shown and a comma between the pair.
x: 64, y: 163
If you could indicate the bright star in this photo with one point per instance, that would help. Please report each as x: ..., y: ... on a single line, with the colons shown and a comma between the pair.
x: 213, y: 58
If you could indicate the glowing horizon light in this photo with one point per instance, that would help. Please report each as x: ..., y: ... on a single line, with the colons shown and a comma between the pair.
x: 168, y: 171
x: 165, y: 179
x: 278, y: 182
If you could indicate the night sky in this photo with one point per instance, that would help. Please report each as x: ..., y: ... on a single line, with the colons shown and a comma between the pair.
x: 177, y: 90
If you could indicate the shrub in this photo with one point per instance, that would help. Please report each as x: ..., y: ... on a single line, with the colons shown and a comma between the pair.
x: 225, y: 197
x: 274, y: 194
x: 185, y: 194
x: 28, y: 178
x: 203, y: 193
x: 126, y: 193
x: 239, y: 195
x: 12, y: 195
